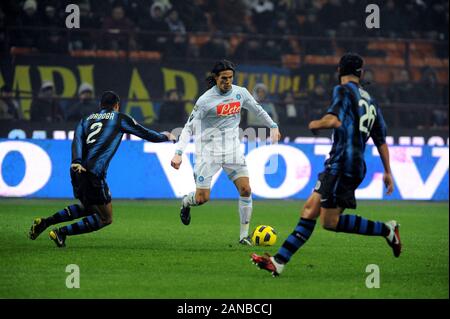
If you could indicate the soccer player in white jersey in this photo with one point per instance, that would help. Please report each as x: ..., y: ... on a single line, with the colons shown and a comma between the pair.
x: 215, y: 125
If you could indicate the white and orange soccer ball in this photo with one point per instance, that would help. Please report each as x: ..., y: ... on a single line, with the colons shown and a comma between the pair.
x: 264, y: 235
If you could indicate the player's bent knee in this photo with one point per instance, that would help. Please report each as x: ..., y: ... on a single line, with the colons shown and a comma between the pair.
x: 245, y: 191
x: 329, y: 223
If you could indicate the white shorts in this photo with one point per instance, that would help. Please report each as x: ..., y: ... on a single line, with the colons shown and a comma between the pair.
x: 205, y: 170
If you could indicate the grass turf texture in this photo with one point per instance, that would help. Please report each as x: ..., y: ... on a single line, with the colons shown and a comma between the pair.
x: 148, y: 253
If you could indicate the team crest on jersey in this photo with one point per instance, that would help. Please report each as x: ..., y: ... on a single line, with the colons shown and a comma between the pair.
x: 238, y: 96
x: 317, y: 186
x: 227, y: 109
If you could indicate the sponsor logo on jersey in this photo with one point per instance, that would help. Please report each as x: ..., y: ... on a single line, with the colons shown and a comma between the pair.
x: 227, y: 109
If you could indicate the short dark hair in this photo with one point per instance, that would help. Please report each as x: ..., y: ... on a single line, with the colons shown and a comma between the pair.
x: 351, y: 64
x: 108, y: 100
x: 220, y: 66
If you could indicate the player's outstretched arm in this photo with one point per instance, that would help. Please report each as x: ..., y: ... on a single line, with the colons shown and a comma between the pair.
x: 129, y: 125
x: 387, y: 176
x: 327, y: 122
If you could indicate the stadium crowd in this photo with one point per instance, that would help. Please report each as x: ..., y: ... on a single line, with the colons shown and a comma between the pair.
x: 164, y: 25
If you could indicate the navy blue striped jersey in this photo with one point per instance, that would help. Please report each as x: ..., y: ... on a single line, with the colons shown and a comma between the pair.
x: 361, y: 118
x: 98, y: 136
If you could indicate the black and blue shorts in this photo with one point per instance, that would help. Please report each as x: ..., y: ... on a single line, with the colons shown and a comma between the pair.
x: 90, y: 189
x: 337, y: 190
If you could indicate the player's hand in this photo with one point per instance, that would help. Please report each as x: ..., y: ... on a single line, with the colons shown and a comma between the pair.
x: 275, y: 134
x: 170, y: 136
x: 77, y: 168
x: 313, y: 129
x: 176, y: 161
x: 388, y: 183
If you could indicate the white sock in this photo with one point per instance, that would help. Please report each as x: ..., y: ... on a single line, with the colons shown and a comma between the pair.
x: 245, y: 213
x: 189, y: 200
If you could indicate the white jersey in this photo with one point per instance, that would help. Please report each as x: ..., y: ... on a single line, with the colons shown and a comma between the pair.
x: 215, y: 122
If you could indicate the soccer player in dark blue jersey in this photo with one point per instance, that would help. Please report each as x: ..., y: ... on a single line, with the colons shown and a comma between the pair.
x: 95, y: 142
x: 354, y: 117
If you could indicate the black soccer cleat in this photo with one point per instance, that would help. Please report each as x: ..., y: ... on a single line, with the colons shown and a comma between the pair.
x: 58, y: 238
x: 39, y: 225
x: 185, y: 215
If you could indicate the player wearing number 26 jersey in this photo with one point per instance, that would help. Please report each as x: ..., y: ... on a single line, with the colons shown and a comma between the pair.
x: 354, y: 117
x: 95, y: 142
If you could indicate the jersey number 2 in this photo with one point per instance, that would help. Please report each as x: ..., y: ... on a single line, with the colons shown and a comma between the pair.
x: 368, y: 118
x: 95, y: 128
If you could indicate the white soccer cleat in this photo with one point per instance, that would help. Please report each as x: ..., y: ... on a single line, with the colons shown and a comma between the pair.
x: 393, y: 239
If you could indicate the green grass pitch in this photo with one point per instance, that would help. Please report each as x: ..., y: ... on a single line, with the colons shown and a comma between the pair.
x: 148, y: 253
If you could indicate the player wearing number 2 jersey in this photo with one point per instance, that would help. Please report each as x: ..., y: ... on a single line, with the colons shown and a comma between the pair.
x: 95, y: 142
x: 354, y: 117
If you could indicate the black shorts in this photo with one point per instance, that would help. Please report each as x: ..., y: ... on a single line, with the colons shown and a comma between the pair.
x: 337, y: 190
x: 90, y: 189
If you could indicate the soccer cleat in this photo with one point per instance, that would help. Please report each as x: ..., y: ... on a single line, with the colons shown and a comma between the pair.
x: 185, y: 214
x: 58, y: 238
x: 393, y: 239
x: 39, y: 225
x: 246, y: 241
x: 268, y: 263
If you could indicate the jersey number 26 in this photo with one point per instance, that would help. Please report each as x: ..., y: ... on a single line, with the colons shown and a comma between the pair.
x: 368, y: 118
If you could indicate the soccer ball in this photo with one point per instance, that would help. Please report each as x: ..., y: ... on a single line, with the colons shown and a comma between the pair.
x: 264, y: 235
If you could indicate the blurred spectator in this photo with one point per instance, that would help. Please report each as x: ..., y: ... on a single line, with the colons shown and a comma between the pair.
x: 313, y: 28
x: 28, y: 19
x: 192, y: 12
x: 154, y: 23
x: 2, y: 31
x: 429, y: 92
x: 217, y: 48
x: 50, y: 18
x: 262, y: 13
x: 174, y: 22
x: 260, y: 92
x: 229, y: 16
x: 394, y: 21
x: 119, y: 29
x: 331, y: 15
x: 402, y: 90
x: 85, y: 106
x: 375, y: 90
x: 178, y: 44
x: 318, y: 101
x: 248, y: 49
x: 45, y: 108
x: 53, y: 41
x: 291, y: 115
x: 9, y: 108
x: 172, y: 110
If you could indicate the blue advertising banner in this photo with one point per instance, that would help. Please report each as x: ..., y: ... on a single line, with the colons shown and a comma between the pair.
x: 40, y: 169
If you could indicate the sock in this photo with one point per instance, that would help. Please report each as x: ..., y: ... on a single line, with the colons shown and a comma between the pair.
x: 295, y: 240
x: 86, y: 225
x: 358, y: 225
x: 189, y: 200
x: 245, y: 213
x: 67, y: 214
